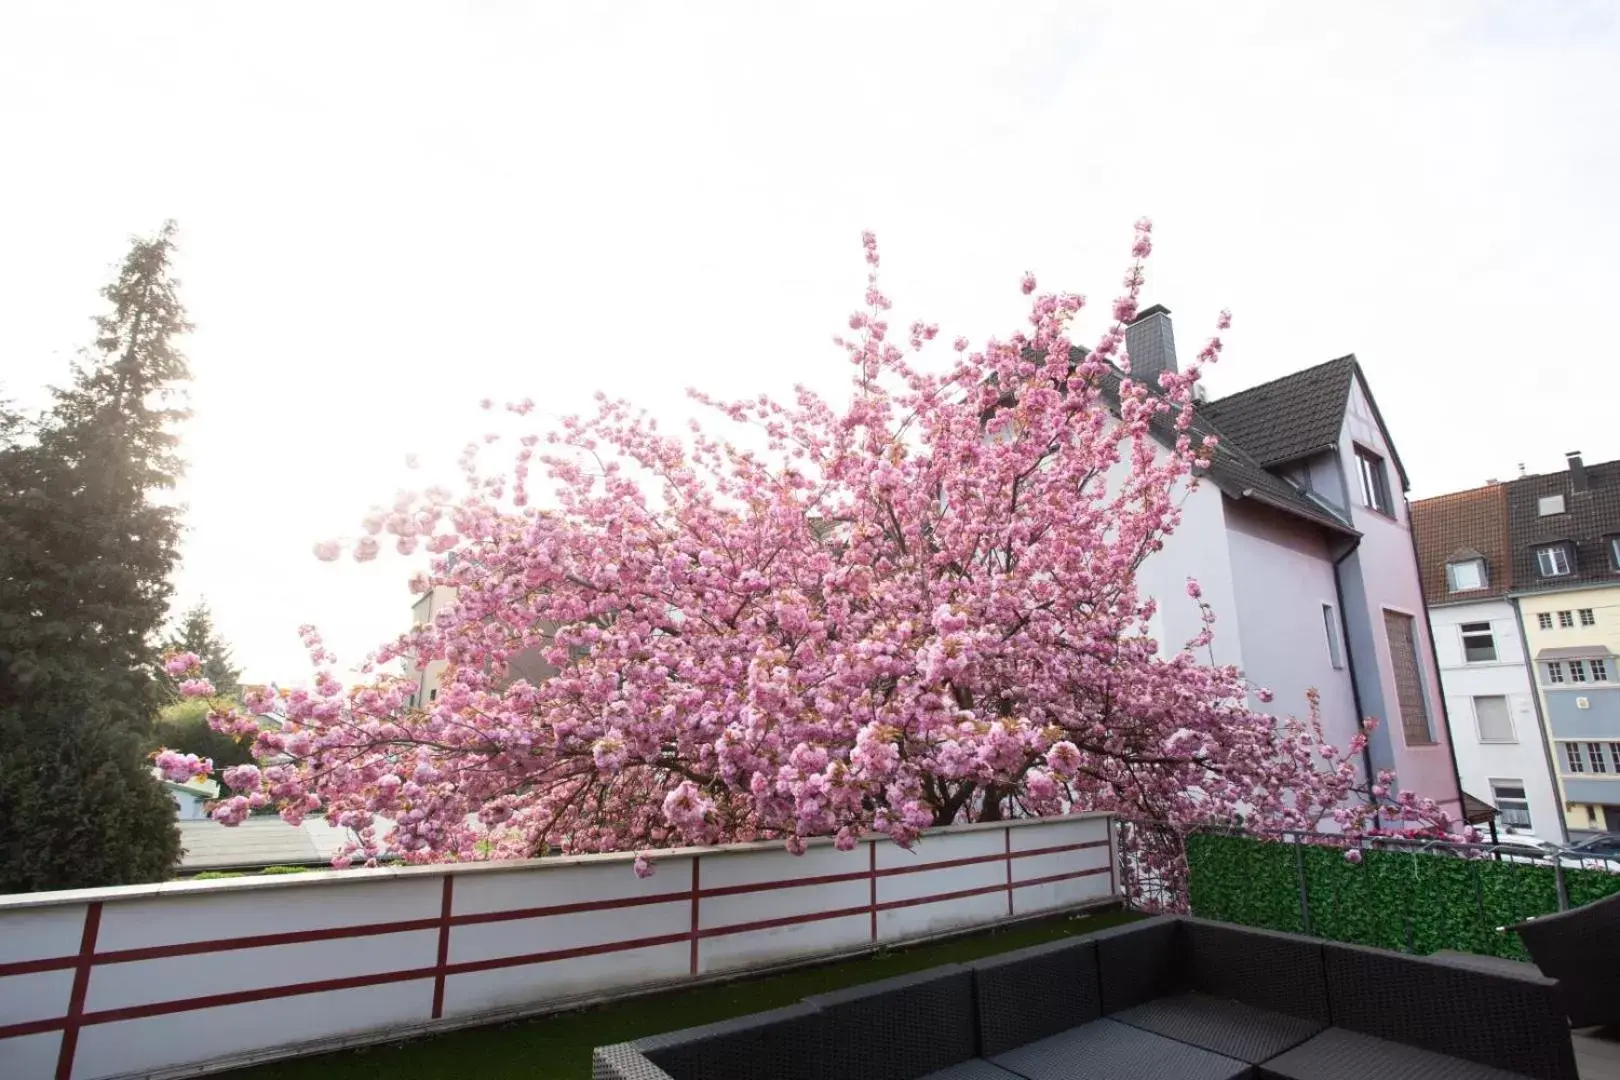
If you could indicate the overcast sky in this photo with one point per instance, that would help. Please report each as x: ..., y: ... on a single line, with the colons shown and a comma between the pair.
x: 389, y: 211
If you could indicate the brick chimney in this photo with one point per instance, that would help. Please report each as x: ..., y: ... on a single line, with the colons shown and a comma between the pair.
x: 1577, y: 471
x: 1151, y: 345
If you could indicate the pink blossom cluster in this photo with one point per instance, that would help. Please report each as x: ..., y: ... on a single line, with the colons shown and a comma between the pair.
x: 916, y: 608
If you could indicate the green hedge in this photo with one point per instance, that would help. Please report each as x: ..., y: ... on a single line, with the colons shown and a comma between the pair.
x: 1402, y: 900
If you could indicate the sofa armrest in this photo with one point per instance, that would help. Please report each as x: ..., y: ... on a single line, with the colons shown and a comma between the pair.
x: 622, y: 1061
x: 1509, y: 1020
x: 783, y: 1044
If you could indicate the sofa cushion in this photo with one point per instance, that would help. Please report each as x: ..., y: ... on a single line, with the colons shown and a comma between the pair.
x: 1106, y: 1050
x: 1506, y: 1021
x: 1280, y: 972
x: 900, y: 1028
x: 1337, y: 1054
x: 780, y: 1043
x: 1031, y: 993
x: 973, y: 1069
x: 1231, y: 1028
x: 1139, y: 961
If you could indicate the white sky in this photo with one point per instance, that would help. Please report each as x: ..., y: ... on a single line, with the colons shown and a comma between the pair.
x: 388, y: 211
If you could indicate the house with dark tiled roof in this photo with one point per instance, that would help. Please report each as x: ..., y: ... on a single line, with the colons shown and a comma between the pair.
x: 1300, y: 536
x: 1468, y: 565
x: 1564, y: 543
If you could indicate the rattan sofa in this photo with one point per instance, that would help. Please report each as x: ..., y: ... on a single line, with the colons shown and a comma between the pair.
x: 1170, y: 998
x: 1581, y: 949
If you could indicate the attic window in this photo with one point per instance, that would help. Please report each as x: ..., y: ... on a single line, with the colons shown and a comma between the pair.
x: 1466, y: 574
x: 1374, y: 482
x: 1553, y: 560
x: 1548, y: 505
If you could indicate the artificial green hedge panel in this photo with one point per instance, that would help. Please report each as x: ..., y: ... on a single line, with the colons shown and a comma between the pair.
x: 1404, y: 900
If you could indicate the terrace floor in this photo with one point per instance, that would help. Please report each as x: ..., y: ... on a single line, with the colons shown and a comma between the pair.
x: 558, y: 1047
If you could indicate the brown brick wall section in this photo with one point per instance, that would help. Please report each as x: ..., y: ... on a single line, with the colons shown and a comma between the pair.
x: 1475, y: 519
x: 1408, y: 683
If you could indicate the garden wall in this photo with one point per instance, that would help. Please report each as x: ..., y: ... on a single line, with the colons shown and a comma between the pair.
x: 139, y: 980
x: 1410, y: 900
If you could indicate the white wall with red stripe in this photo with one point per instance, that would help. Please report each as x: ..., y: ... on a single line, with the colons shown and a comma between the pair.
x: 159, y: 979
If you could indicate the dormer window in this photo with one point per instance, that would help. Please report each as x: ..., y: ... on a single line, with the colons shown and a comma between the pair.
x: 1464, y: 573
x: 1553, y: 560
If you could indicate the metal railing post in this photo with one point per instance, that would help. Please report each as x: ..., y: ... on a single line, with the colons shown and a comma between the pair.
x: 1304, y: 894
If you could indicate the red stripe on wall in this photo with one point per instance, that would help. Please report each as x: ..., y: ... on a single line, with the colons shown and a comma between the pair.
x: 1008, y: 834
x: 872, y: 875
x: 569, y: 909
x: 446, y: 902
x: 1071, y: 875
x: 697, y: 893
x: 81, y: 987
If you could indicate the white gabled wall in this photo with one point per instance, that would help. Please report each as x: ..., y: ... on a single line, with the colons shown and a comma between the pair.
x: 1480, y: 763
x: 1282, y: 571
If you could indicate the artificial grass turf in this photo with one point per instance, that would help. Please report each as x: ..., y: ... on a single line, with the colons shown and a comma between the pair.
x: 558, y: 1047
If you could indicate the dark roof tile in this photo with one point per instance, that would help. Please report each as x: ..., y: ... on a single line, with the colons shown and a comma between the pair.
x: 1591, y: 519
x: 1464, y: 524
x: 1288, y: 418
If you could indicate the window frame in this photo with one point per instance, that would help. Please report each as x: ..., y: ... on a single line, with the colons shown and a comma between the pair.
x: 1330, y: 625
x: 1577, y: 671
x: 1566, y: 620
x: 1555, y: 671
x: 1544, y: 620
x: 1543, y: 500
x: 1373, y: 480
x: 1574, y: 759
x: 1489, y: 632
x: 1483, y: 579
x: 1600, y: 668
x: 1522, y: 799
x: 1596, y: 758
x: 1507, y: 716
x: 1554, y: 552
x: 1586, y: 616
x: 1614, y: 554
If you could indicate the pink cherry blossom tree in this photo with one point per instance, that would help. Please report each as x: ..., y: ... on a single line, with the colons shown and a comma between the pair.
x: 913, y: 609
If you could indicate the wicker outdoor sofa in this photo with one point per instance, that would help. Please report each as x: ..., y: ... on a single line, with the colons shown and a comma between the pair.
x: 1161, y: 999
x: 1581, y: 949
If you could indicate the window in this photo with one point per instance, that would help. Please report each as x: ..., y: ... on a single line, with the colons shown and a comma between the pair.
x: 1494, y: 722
x: 1374, y: 482
x: 433, y: 695
x: 1614, y: 552
x: 1552, y: 560
x: 1330, y: 623
x: 1600, y: 670
x: 1548, y: 505
x: 1577, y: 671
x: 1478, y: 644
x: 1401, y: 632
x: 1508, y: 795
x: 1614, y: 755
x: 1594, y: 754
x: 1572, y: 755
x: 1465, y: 575
x: 1555, y: 672
x: 1544, y: 620
x: 1587, y: 617
x: 1565, y: 620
